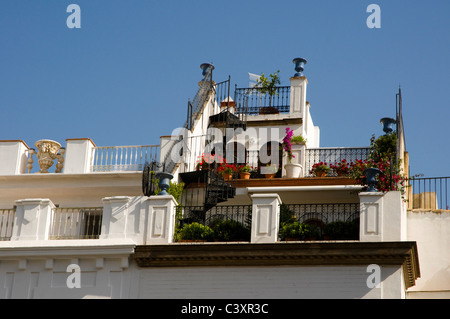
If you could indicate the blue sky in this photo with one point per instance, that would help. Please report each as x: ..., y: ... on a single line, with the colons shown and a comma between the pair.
x: 124, y: 77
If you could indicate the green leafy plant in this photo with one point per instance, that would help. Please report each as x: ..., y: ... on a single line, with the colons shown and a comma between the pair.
x: 269, y: 86
x: 196, y: 231
x: 298, y: 139
x: 230, y: 230
x: 245, y: 168
x: 290, y: 230
x: 300, y: 231
x: 286, y: 215
x: 383, y: 155
x: 272, y: 168
x: 175, y: 189
x: 383, y: 146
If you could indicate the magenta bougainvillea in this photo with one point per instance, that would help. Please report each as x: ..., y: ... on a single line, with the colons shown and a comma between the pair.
x: 287, y: 146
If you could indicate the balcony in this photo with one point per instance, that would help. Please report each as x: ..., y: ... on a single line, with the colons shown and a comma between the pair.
x: 251, y: 101
x: 79, y: 156
x: 298, y: 222
x: 219, y: 224
x: 429, y: 193
x: 333, y: 155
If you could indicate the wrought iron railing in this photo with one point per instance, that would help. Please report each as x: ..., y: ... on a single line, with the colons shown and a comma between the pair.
x: 252, y: 101
x: 325, y: 213
x: 123, y: 158
x: 331, y: 155
x: 334, y: 220
x: 6, y: 223
x: 429, y: 193
x: 196, y: 105
x: 220, y: 223
x: 77, y: 223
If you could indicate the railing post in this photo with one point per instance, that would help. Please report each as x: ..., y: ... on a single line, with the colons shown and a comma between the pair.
x: 382, y: 217
x: 115, y: 223
x: 33, y: 219
x: 160, y: 224
x: 298, y: 96
x: 265, y: 218
x: 78, y: 156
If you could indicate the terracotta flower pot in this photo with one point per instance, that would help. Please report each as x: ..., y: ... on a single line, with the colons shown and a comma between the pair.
x: 321, y: 173
x: 244, y: 175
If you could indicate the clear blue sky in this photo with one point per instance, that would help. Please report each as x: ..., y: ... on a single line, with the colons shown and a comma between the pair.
x: 124, y: 77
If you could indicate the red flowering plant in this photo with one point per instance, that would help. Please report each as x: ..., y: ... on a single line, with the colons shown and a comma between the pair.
x: 287, y: 146
x: 319, y: 167
x: 225, y: 168
x: 229, y: 169
x: 342, y: 168
x: 389, y: 178
x: 245, y: 168
x: 208, y: 160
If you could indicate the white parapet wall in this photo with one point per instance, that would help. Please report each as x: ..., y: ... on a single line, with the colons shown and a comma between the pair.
x: 383, y: 217
x: 78, y: 156
x: 33, y: 219
x: 13, y: 157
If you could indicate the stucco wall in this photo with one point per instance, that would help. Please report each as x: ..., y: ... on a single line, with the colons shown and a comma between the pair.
x: 431, y: 231
x: 282, y: 282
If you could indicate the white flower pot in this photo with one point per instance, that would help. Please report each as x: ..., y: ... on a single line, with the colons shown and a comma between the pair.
x: 293, y: 170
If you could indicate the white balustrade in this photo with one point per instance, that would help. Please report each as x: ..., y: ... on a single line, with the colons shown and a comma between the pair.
x: 123, y: 158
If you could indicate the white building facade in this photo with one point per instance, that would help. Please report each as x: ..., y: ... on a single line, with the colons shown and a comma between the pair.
x: 85, y: 229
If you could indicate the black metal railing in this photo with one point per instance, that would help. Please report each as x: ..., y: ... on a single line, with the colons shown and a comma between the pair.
x: 429, y: 193
x: 325, y: 221
x: 222, y: 91
x: 252, y: 101
x: 332, y: 155
x: 220, y: 223
x: 195, y: 106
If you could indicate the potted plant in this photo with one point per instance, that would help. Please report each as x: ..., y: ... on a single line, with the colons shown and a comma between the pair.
x: 299, y: 231
x: 196, y: 232
x: 226, y: 170
x: 244, y: 171
x: 298, y: 139
x: 291, y: 231
x: 270, y: 170
x: 207, y: 161
x: 267, y: 86
x: 320, y: 169
x: 293, y: 170
x: 342, y: 168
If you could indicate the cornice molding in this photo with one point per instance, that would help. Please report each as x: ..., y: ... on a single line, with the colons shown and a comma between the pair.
x: 280, y: 254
